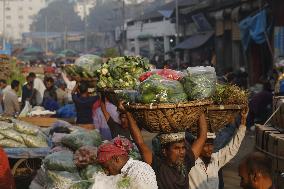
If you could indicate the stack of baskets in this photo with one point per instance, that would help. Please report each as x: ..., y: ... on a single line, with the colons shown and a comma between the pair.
x: 92, y: 82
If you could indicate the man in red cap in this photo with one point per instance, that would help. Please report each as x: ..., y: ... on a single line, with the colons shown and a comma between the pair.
x: 114, y: 158
x: 6, y: 178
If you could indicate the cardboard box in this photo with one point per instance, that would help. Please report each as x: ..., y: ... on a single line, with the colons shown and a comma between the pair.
x: 278, y: 118
x: 262, y: 136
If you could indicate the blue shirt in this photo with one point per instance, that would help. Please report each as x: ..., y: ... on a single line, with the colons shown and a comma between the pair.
x: 84, y: 108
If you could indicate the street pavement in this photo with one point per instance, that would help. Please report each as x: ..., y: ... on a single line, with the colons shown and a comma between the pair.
x: 230, y: 171
x: 231, y: 178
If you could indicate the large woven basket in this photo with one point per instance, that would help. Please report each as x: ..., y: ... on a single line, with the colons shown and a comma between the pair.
x: 167, y: 118
x: 218, y: 116
x: 92, y: 82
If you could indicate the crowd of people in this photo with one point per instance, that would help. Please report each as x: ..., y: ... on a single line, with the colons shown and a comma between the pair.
x: 176, y: 162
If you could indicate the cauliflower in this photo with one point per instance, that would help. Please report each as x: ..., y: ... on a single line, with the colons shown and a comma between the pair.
x: 104, y: 71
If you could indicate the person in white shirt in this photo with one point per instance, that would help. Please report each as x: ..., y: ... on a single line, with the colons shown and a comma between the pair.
x: 113, y: 156
x: 70, y: 85
x: 38, y: 85
x: 204, y: 175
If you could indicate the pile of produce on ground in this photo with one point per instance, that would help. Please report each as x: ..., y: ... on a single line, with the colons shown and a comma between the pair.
x: 19, y: 134
x: 72, y: 163
x: 85, y: 67
x: 122, y: 72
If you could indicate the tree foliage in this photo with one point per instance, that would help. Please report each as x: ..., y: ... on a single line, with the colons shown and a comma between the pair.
x: 105, y: 15
x: 60, y: 16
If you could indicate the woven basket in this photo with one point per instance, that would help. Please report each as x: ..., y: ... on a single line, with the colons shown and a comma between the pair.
x: 167, y: 118
x: 92, y: 82
x: 220, y: 116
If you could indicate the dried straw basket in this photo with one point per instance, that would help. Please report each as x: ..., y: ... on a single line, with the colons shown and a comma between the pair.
x: 218, y: 116
x: 168, y: 118
x: 92, y: 82
x: 110, y: 94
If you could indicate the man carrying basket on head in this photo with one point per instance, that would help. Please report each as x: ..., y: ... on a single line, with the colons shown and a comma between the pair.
x: 176, y: 160
x: 204, y: 175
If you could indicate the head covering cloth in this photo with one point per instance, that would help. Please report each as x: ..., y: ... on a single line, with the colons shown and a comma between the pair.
x: 108, y: 151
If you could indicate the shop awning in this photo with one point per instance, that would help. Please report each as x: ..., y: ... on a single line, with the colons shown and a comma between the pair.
x: 194, y: 41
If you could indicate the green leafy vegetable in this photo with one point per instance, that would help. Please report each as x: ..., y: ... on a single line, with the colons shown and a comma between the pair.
x: 122, y: 72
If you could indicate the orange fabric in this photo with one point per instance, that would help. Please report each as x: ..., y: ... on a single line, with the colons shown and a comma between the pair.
x: 6, y: 178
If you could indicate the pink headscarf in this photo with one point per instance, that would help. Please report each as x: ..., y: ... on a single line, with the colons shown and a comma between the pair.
x: 118, y: 146
x: 108, y: 150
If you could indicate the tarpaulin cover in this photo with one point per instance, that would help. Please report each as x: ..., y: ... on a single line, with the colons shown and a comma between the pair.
x: 195, y: 41
x: 254, y: 28
x: 27, y: 152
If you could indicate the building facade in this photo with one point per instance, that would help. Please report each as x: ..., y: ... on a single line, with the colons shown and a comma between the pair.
x: 17, y: 16
x: 154, y: 33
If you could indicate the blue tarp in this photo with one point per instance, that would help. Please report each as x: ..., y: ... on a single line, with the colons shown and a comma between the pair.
x: 194, y: 41
x: 19, y: 153
x: 254, y: 28
x: 7, y: 50
x: 67, y: 111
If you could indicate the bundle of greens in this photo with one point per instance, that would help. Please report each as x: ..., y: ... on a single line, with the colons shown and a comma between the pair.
x: 199, y: 82
x: 230, y: 94
x: 65, y: 180
x: 85, y: 67
x: 157, y: 89
x: 78, y: 139
x: 60, y: 161
x: 90, y: 63
x: 122, y: 72
x: 78, y: 72
x: 90, y: 170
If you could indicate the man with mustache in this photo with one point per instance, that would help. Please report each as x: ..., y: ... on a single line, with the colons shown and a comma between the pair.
x: 177, y: 158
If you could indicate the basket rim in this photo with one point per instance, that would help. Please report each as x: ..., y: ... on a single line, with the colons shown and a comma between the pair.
x: 226, y: 107
x: 278, y: 96
x: 168, y: 105
x: 113, y: 90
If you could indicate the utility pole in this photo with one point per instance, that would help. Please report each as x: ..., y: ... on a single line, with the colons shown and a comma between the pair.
x: 4, y: 24
x: 46, y: 40
x: 65, y: 37
x: 123, y: 28
x: 85, y: 27
x: 177, y: 33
